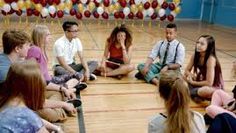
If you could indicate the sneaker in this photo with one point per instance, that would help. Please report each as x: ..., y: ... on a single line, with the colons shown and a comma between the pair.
x: 92, y: 77
x: 80, y: 86
x: 76, y: 102
x: 139, y: 75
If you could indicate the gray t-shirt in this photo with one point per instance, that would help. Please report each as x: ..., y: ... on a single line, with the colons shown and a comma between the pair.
x: 19, y: 120
x: 5, y: 64
x: 157, y: 124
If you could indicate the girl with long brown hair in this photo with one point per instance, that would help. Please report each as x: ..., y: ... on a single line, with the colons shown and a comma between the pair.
x: 117, y: 55
x: 178, y: 117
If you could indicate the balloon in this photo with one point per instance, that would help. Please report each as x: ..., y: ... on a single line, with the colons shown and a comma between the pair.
x: 111, y: 8
x: 177, y: 10
x: 60, y: 14
x: 20, y: 4
x: 1, y: 3
x: 29, y: 12
x: 68, y: 4
x: 105, y: 15
x: 139, y: 15
x: 98, y: 1
x: 91, y: 6
x: 116, y: 15
x: 100, y: 10
x: 145, y: 13
x: 4, y: 13
x: 8, y: 1
x: 36, y: 12
x: 176, y: 2
x: 61, y: 6
x: 122, y: 15
x: 6, y: 8
x: 161, y: 12
x: 80, y: 7
x: 43, y: 3
x: 117, y: 6
x: 115, y: 1
x: 87, y: 13
x: 137, y: 2
x: 154, y: 4
x: 106, y: 3
x: 131, y: 2
x: 173, y: 13
x: 53, y: 15
x: 79, y: 15
x: 74, y: 1
x: 95, y: 14
x: 131, y: 15
x: 67, y: 10
x: 134, y: 8
x: 38, y: 7
x: 52, y: 9
x: 154, y: 16
x: 164, y: 5
x: 36, y: 1
x: 170, y: 17
x: 123, y: 3
x: 27, y: 4
x: 44, y: 12
x: 163, y: 18
x: 144, y: 1
x: 14, y: 6
x: 140, y: 7
x: 84, y: 1
x: 150, y: 11
x: 160, y: 2
x: 11, y: 11
x: 57, y: 2
x: 50, y: 2
x: 171, y: 6
x: 126, y: 11
x: 147, y: 5
x: 72, y: 12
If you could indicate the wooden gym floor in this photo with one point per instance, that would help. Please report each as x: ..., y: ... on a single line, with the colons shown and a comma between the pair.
x: 115, y: 106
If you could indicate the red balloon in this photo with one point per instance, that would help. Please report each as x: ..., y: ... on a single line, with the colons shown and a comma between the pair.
x: 106, y: 3
x: 105, y: 15
x: 11, y: 11
x: 96, y: 3
x: 154, y: 16
x: 19, y: 12
x: 131, y: 15
x: 52, y: 15
x: 154, y: 4
x: 87, y: 13
x: 50, y: 2
x: 36, y: 1
x: 171, y: 6
x: 163, y: 18
x: 78, y: 15
x: 146, y: 5
x: 164, y: 5
x: 123, y: 3
x: 72, y: 12
x: 116, y: 15
x: 74, y: 1
x: 139, y: 15
x: 43, y: 3
x: 36, y: 13
x: 60, y: 14
x: 8, y: 1
x: 29, y: 12
x: 131, y: 2
x: 4, y: 13
x: 57, y: 2
x: 95, y: 14
x: 122, y: 15
x: 170, y: 18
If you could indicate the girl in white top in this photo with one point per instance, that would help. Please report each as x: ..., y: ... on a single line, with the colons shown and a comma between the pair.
x: 178, y: 117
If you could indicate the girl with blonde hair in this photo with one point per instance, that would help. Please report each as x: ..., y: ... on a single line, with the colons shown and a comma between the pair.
x: 178, y: 117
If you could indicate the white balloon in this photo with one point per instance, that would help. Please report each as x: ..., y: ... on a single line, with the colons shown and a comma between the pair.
x: 14, y: 6
x: 144, y: 1
x: 62, y: 1
x: 126, y: 11
x: 161, y: 12
x: 44, y: 12
x: 114, y: 1
x: 100, y: 10
x: 6, y: 7
x: 160, y: 2
x: 150, y: 11
x: 137, y: 2
x: 84, y: 1
x: 52, y: 9
x: 67, y: 10
x: 145, y: 13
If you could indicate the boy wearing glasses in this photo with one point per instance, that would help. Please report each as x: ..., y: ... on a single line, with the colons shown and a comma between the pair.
x: 65, y: 49
x: 171, y: 55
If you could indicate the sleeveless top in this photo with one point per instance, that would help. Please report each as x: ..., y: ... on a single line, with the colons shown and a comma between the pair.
x: 116, y: 55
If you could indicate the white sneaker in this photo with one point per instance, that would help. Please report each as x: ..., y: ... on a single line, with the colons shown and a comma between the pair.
x: 92, y: 77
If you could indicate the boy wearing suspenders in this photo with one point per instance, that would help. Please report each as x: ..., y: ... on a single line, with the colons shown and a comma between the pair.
x: 171, y: 55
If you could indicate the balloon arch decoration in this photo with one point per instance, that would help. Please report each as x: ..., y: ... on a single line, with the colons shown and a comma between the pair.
x: 96, y: 9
